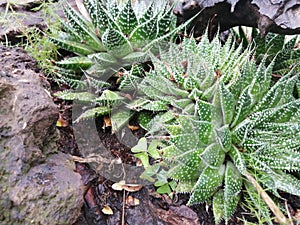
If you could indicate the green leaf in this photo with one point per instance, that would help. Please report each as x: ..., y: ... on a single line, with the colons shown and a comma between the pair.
x: 165, y: 189
x: 71, y: 95
x: 223, y: 136
x: 141, y: 146
x: 205, y: 110
x: 218, y: 206
x: 286, y: 182
x: 152, y: 149
x: 144, y: 158
x: 238, y: 159
x: 103, y: 59
x: 110, y: 96
x: 98, y: 14
x: 257, y: 202
x: 185, y: 186
x: 92, y: 113
x: 150, y: 172
x: 127, y: 18
x: 213, y: 156
x: 227, y: 103
x: 119, y: 119
x: 232, y: 189
x: 207, y: 184
x: 75, y: 63
x: 83, y: 28
x: 288, y: 160
x: 116, y: 43
x: 70, y: 45
x: 144, y: 119
x: 243, y: 106
x: 187, y: 167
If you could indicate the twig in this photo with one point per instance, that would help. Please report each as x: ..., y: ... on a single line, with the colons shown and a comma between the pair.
x: 123, y: 210
x: 278, y: 214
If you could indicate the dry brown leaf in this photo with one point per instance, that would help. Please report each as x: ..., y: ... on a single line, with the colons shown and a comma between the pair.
x: 127, y: 187
x: 139, y: 163
x: 118, y: 186
x: 61, y: 122
x: 132, y: 187
x: 107, y: 121
x: 133, y: 128
x: 131, y: 201
x: 107, y: 210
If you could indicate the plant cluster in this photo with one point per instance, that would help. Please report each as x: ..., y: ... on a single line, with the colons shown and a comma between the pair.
x: 224, y: 126
x: 285, y: 50
x: 113, y: 35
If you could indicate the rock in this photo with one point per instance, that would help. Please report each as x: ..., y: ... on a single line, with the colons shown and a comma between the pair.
x: 37, y: 184
x: 22, y: 17
x: 275, y: 16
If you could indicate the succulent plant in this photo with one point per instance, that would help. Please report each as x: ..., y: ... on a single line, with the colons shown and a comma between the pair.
x: 285, y: 50
x: 116, y: 34
x: 222, y: 124
x: 113, y: 42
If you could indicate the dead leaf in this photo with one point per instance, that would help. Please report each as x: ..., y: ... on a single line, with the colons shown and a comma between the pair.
x: 107, y: 210
x: 132, y: 187
x: 107, y: 121
x: 131, y: 201
x: 139, y: 163
x: 297, y: 215
x: 61, y: 122
x: 127, y: 187
x: 118, y: 186
x: 133, y: 128
x: 128, y: 96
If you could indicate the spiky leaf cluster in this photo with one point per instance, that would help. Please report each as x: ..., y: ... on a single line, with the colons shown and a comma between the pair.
x: 285, y: 50
x: 116, y: 37
x: 222, y: 118
x: 116, y: 34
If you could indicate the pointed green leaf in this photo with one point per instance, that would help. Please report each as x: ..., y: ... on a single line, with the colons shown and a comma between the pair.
x: 127, y: 18
x: 80, y: 96
x: 75, y: 63
x: 223, y: 136
x: 213, y: 156
x: 82, y: 27
x: 141, y: 146
x: 116, y: 43
x: 92, y: 113
x: 119, y: 119
x: 232, y: 189
x: 207, y: 184
x: 227, y: 102
x: 70, y: 45
x: 238, y: 159
x: 218, y: 206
